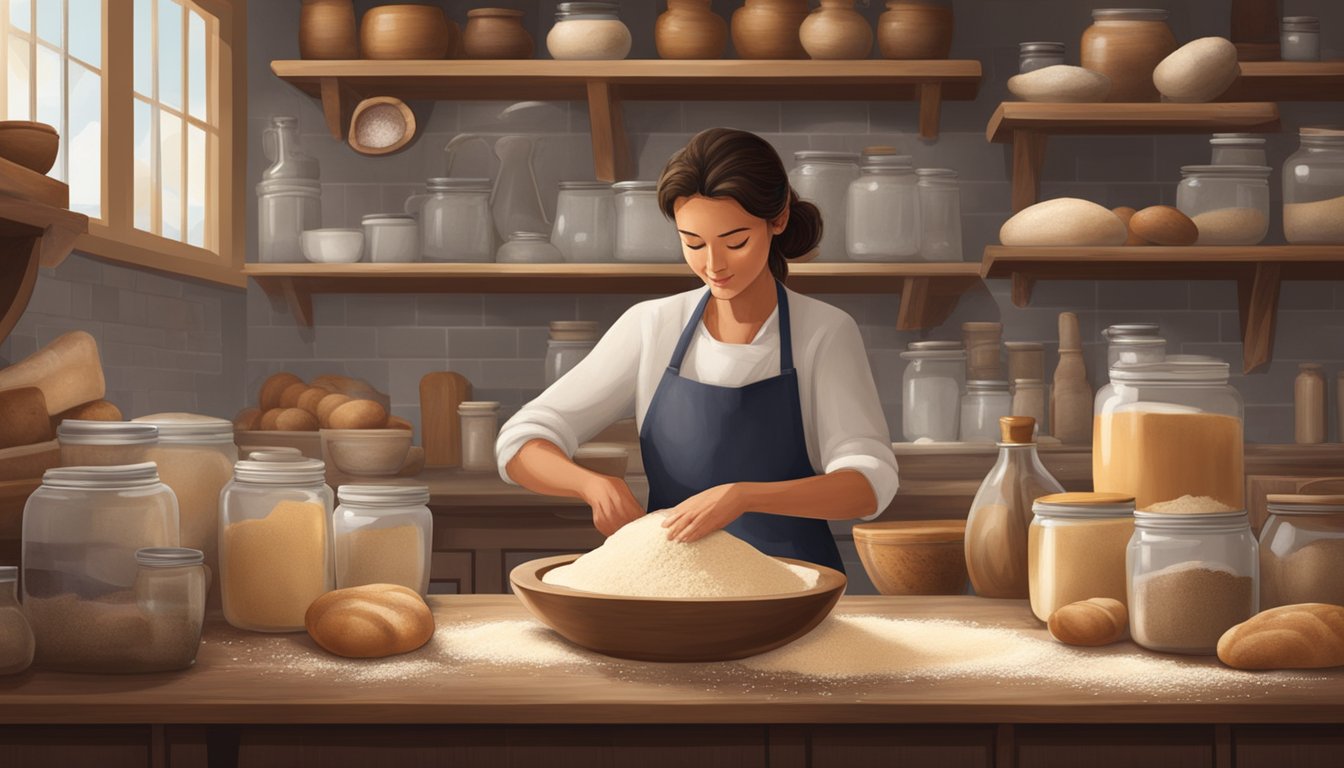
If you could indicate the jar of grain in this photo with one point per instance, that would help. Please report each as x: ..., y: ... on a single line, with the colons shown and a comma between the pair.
x: 1126, y: 45
x: 588, y: 31
x: 1164, y: 430
x: 1076, y: 549
x: 1313, y: 188
x: 935, y: 373
x: 983, y: 405
x: 823, y: 179
x: 1228, y: 203
x: 480, y: 428
x: 170, y: 593
x: 1191, y: 578
x: 81, y: 530
x: 105, y: 443
x: 882, y: 210
x: 274, y: 543
x: 1302, y: 551
x: 384, y: 535
x: 16, y: 634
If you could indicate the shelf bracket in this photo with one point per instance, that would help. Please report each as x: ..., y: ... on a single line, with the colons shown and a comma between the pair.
x: 338, y: 104
x: 56, y: 244
x: 611, y: 145
x: 927, y: 302
x: 1023, y: 284
x: 930, y: 109
x: 300, y: 301
x: 1028, y: 160
x: 18, y: 275
x: 1258, y: 305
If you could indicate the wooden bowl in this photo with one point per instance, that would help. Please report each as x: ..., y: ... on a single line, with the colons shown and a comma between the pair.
x: 675, y: 629
x: 29, y: 144
x: 407, y: 32
x: 914, y: 557
x: 393, y: 113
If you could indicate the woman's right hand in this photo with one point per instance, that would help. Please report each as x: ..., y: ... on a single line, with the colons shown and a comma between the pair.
x: 613, y: 503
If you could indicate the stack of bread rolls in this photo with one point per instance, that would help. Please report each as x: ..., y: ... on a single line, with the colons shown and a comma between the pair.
x: 287, y: 403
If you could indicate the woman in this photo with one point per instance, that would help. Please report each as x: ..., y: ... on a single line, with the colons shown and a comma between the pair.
x: 756, y: 407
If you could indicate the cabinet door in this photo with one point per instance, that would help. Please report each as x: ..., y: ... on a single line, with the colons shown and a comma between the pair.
x: 1115, y: 746
x: 1306, y: 746
x: 75, y: 746
x: 884, y: 746
x: 452, y: 573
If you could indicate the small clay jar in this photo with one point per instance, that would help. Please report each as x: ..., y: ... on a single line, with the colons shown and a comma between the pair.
x: 768, y: 29
x: 836, y: 31
x: 915, y: 29
x: 688, y: 29
x: 406, y: 32
x: 327, y: 30
x: 1126, y: 45
x: 496, y: 33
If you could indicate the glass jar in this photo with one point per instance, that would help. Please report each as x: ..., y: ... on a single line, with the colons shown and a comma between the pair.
x: 823, y: 179
x: 882, y: 210
x: 384, y: 535
x: 455, y: 220
x: 170, y: 592
x: 480, y: 429
x: 931, y: 390
x: 1026, y: 360
x: 939, y: 214
x: 1313, y: 188
x: 1034, y: 56
x: 286, y: 208
x: 528, y: 248
x: 983, y: 342
x: 1237, y: 149
x: 1228, y: 203
x: 105, y: 443
x: 570, y: 342
x: 1302, y: 550
x: 643, y: 233
x: 1169, y: 429
x: 275, y: 552
x: 81, y: 530
x: 1300, y: 38
x: 1126, y: 45
x: 16, y: 634
x: 1029, y: 400
x: 1134, y: 343
x: 985, y: 402
x: 1191, y: 578
x: 391, y: 238
x: 1076, y: 549
x: 585, y: 222
x: 588, y: 31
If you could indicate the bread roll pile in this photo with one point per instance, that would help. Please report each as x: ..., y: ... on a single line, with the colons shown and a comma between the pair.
x: 287, y: 403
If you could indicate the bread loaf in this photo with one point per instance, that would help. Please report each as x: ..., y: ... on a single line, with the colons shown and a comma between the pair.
x: 370, y: 622
x: 289, y: 396
x: 310, y: 398
x: 1304, y: 636
x: 269, y: 419
x: 1064, y: 221
x: 1163, y: 225
x: 68, y: 371
x: 1126, y: 213
x: 358, y: 414
x: 328, y: 404
x: 29, y: 461
x: 295, y: 420
x: 23, y: 412
x: 269, y: 397
x: 1098, y: 621
x: 248, y: 419
x: 98, y: 410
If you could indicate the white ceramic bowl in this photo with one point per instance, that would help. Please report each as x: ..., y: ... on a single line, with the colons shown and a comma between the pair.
x: 370, y: 452
x: 333, y: 246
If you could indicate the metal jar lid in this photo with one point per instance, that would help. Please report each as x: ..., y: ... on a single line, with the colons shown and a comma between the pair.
x: 114, y: 477
x: 384, y: 495
x: 302, y: 472
x: 82, y: 432
x: 1084, y: 505
x: 168, y: 557
x: 189, y: 428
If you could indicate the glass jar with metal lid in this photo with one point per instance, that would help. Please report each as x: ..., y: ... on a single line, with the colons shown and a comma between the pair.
x: 569, y: 344
x: 939, y: 214
x: 1134, y: 343
x: 589, y: 31
x: 1313, y: 188
x: 984, y: 403
x: 384, y: 534
x: 275, y: 551
x: 643, y: 234
x: 1191, y: 578
x: 585, y: 222
x: 1302, y: 550
x: 935, y: 374
x: 81, y: 530
x: 391, y: 238
x: 105, y: 443
x: 823, y: 179
x: 1076, y: 549
x: 170, y: 594
x: 882, y: 210
x: 1228, y: 203
x: 480, y: 429
x: 1237, y: 149
x: 1038, y: 55
x: 16, y: 634
x: 456, y: 224
x: 1300, y: 38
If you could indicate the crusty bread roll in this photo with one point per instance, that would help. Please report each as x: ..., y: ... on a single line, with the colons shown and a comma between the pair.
x: 23, y: 412
x: 370, y: 622
x: 1304, y: 636
x: 269, y: 396
x: 295, y: 420
x: 1098, y: 621
x: 358, y: 414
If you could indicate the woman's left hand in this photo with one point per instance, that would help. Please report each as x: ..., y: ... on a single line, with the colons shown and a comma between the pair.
x: 705, y: 512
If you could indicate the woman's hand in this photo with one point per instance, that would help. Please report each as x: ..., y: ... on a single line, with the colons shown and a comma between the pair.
x: 705, y: 513
x: 612, y: 502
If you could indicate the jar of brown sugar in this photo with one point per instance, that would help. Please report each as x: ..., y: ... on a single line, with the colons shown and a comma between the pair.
x: 1126, y: 45
x: 1076, y: 549
x: 1302, y: 550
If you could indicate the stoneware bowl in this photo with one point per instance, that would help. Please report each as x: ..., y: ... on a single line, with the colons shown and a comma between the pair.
x: 914, y: 557
x: 367, y: 452
x: 407, y: 31
x: 333, y: 246
x: 29, y: 144
x: 675, y: 629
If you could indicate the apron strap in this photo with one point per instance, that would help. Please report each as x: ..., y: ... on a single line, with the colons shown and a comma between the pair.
x: 687, y: 334
x: 785, y: 333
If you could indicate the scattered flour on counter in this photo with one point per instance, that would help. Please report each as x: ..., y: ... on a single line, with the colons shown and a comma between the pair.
x: 516, y: 642
x: 640, y: 561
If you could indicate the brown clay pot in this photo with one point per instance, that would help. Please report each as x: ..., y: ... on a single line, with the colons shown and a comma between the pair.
x: 836, y: 31
x: 29, y: 144
x: 406, y: 32
x: 768, y: 29
x: 688, y: 29
x: 327, y: 30
x: 496, y: 33
x: 911, y: 29
x: 1126, y: 45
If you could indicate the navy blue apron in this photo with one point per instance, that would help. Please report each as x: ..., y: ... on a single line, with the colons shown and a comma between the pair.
x: 696, y: 436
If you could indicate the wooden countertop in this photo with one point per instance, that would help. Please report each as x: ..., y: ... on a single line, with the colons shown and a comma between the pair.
x: 276, y: 679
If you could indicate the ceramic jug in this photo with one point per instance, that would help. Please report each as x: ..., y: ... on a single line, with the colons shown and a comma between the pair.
x: 515, y: 197
x: 280, y: 145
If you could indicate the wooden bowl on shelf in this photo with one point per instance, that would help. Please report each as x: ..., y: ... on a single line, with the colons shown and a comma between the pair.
x: 381, y: 125
x: 407, y: 32
x: 675, y: 629
x: 29, y: 144
x: 914, y: 557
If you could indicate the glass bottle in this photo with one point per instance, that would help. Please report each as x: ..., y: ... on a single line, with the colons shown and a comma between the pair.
x: 939, y: 214
x: 280, y: 145
x: 16, y: 636
x: 996, y: 529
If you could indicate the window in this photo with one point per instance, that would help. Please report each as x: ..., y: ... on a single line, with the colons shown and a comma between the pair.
x: 147, y: 96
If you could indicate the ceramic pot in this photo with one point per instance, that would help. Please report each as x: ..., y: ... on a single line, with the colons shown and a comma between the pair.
x: 688, y: 29
x: 327, y: 30
x: 836, y: 31
x: 768, y: 29
x: 406, y: 32
x: 911, y: 29
x: 496, y: 33
x: 1126, y: 45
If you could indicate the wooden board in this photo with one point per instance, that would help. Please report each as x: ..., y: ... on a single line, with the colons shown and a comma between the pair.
x: 1123, y: 119
x: 441, y: 393
x: 1288, y: 81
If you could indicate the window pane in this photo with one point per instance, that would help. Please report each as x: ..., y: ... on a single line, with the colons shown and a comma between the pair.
x: 144, y: 48
x: 170, y: 54
x: 86, y: 31
x: 18, y: 79
x: 49, y: 92
x: 170, y: 175
x: 21, y: 14
x: 144, y: 166
x: 49, y: 21
x: 196, y: 163
x: 86, y: 142
x: 196, y: 65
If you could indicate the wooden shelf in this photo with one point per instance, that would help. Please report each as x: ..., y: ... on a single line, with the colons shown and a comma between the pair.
x: 1257, y: 270
x: 1288, y: 81
x: 929, y: 292
x: 605, y: 84
x: 1027, y: 125
x: 32, y: 234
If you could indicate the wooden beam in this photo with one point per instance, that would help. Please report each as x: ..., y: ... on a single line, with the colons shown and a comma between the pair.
x: 930, y: 109
x: 338, y: 104
x: 1028, y: 160
x: 611, y: 145
x: 1258, y: 303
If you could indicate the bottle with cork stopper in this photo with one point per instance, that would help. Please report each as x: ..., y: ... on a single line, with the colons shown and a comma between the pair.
x: 1000, y: 516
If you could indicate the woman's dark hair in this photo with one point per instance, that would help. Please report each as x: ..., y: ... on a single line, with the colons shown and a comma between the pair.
x: 723, y: 162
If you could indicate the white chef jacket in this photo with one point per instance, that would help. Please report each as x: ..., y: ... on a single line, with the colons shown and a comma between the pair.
x: 843, y: 421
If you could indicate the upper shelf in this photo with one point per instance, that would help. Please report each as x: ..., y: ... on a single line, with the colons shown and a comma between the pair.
x: 1079, y: 119
x: 1288, y: 81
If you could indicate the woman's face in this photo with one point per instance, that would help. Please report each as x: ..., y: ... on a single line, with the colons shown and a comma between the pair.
x: 726, y: 246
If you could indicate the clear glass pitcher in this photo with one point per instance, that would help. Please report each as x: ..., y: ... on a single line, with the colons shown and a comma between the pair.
x: 515, y: 197
x: 280, y: 145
